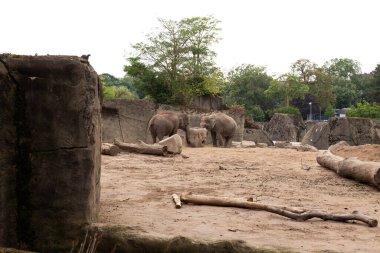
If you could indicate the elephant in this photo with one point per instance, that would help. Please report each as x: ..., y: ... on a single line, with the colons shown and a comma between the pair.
x: 167, y: 123
x: 222, y: 128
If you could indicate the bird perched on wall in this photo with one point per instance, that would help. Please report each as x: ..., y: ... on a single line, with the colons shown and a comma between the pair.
x: 84, y: 58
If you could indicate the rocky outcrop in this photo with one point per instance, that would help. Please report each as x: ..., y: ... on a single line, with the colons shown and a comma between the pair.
x: 285, y: 127
x: 50, y: 135
x: 355, y: 131
x: 257, y: 135
x: 318, y: 136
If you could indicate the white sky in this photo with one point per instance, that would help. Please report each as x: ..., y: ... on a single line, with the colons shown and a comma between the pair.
x: 271, y: 33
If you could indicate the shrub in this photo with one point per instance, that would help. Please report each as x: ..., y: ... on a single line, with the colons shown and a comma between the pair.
x: 287, y: 110
x: 365, y: 110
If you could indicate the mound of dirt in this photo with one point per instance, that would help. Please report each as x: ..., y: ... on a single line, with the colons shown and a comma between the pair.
x: 368, y: 152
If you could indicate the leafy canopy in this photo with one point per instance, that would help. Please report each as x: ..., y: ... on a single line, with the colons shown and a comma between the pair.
x: 177, y: 62
x: 286, y: 88
x: 245, y: 86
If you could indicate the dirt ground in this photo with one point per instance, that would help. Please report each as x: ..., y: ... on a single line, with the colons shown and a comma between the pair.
x: 137, y: 189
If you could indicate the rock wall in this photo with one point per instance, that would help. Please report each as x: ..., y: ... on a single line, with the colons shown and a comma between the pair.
x: 208, y: 103
x: 285, y: 127
x: 126, y: 120
x: 50, y: 135
x: 318, y: 136
x: 355, y: 131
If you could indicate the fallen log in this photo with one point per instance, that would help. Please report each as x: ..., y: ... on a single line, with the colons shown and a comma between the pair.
x: 288, y: 212
x: 110, y: 149
x: 177, y: 201
x: 353, y: 168
x: 187, y: 197
x: 142, y: 148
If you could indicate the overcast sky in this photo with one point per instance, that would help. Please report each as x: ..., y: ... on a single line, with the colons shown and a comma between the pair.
x: 270, y: 33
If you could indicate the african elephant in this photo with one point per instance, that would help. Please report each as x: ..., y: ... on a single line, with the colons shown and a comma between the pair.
x: 167, y: 123
x: 222, y: 128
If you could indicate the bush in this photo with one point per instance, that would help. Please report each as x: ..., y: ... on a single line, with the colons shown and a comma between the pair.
x: 116, y: 92
x: 365, y: 110
x: 256, y: 113
x: 287, y: 110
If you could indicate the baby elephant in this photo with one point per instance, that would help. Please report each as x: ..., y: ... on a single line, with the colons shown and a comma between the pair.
x: 222, y: 128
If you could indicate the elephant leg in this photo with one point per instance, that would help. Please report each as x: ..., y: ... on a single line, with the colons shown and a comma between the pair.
x: 174, y: 131
x: 214, y: 141
x: 220, y: 139
x: 228, y: 142
x: 154, y: 135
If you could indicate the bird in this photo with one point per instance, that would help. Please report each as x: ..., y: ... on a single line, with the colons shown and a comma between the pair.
x: 85, y: 56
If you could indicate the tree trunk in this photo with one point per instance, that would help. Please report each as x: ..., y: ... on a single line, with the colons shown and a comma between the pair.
x: 142, y: 148
x: 292, y: 213
x: 110, y: 149
x: 353, y: 168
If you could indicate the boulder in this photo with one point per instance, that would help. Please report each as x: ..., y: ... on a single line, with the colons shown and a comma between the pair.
x: 285, y: 127
x: 257, y: 135
x: 173, y: 144
x: 197, y: 136
x: 318, y: 136
x: 356, y: 131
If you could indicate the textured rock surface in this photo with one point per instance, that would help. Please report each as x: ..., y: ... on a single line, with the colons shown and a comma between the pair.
x: 355, y: 131
x: 318, y: 136
x: 257, y: 135
x: 54, y: 141
x: 173, y: 143
x: 285, y: 127
x: 126, y: 120
x: 197, y: 136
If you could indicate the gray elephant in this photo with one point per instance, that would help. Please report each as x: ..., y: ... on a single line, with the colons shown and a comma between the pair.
x: 222, y: 128
x: 167, y: 123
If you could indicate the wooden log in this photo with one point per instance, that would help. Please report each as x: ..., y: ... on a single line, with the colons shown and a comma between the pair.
x: 288, y: 212
x: 110, y: 149
x: 142, y: 148
x: 187, y: 197
x: 353, y: 168
x: 177, y: 201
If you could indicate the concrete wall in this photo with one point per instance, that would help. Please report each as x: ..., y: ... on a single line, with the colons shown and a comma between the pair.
x: 128, y: 120
x: 50, y: 159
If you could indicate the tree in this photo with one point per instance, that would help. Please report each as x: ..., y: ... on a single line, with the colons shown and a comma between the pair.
x: 374, y: 87
x: 179, y: 55
x: 344, y: 74
x: 115, y: 88
x: 286, y: 88
x: 304, y: 69
x: 318, y: 81
x: 245, y: 86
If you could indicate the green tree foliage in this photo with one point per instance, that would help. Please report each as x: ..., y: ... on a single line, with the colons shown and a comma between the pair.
x: 329, y: 110
x: 286, y: 88
x: 177, y: 61
x: 344, y: 74
x: 365, y: 110
x: 373, y: 91
x: 287, y: 110
x: 318, y: 81
x: 245, y: 86
x: 116, y: 88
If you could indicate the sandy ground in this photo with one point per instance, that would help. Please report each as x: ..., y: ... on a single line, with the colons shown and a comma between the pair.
x: 137, y: 189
